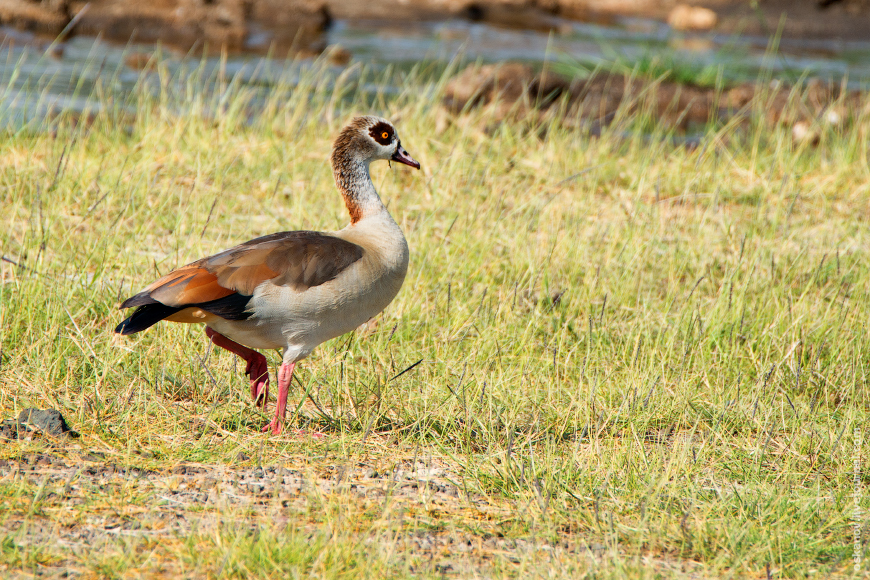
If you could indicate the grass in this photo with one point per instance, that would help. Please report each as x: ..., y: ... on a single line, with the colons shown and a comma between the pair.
x: 662, y: 65
x: 682, y: 60
x: 654, y: 368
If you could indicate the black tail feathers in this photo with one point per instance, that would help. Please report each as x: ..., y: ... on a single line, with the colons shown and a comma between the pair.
x: 145, y: 317
x: 232, y: 307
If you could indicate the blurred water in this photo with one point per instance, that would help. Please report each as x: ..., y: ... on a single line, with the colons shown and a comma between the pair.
x: 38, y: 78
x: 628, y: 40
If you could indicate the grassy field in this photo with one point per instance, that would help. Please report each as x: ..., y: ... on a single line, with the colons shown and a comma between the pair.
x: 613, y: 357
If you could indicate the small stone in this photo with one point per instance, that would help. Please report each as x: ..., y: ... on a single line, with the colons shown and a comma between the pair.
x: 685, y: 17
x: 833, y: 117
x: 802, y: 132
x: 11, y: 429
x: 488, y: 83
x: 49, y: 421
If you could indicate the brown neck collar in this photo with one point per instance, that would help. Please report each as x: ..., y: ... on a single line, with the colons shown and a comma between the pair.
x: 355, y: 185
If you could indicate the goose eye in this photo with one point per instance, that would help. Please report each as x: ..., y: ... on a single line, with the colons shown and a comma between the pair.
x: 385, y: 135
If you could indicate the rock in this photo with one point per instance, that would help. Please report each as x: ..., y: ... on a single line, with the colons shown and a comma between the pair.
x: 503, y: 84
x: 47, y: 17
x: 10, y: 429
x: 803, y: 132
x: 842, y: 20
x: 525, y: 16
x: 48, y: 421
x: 31, y: 421
x: 295, y: 24
x: 833, y: 117
x: 685, y: 17
x: 292, y: 24
x: 515, y: 90
x: 177, y: 22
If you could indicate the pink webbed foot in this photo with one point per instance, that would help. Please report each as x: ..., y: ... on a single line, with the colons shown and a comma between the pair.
x: 277, y: 428
x: 285, y: 375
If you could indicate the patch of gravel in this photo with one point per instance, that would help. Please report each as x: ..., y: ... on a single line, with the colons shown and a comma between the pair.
x: 86, y: 504
x: 195, y: 497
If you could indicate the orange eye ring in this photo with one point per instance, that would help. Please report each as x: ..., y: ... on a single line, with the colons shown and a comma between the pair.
x: 384, y: 135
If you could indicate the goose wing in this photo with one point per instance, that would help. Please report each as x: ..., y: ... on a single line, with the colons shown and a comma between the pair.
x: 223, y: 283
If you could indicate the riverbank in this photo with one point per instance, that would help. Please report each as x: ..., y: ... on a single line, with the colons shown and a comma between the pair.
x: 296, y: 26
x: 515, y: 91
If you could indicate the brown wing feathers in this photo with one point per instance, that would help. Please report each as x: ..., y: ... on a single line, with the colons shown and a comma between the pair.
x: 308, y: 259
x: 189, y: 285
x: 224, y: 283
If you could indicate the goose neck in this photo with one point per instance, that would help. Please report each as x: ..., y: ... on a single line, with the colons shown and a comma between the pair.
x: 355, y: 185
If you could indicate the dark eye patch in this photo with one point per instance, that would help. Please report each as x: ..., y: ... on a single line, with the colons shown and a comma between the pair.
x: 382, y: 133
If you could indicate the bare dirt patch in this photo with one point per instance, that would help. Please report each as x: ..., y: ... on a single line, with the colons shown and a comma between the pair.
x: 83, y: 502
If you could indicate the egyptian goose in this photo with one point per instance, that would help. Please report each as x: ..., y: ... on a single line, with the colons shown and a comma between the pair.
x: 294, y: 290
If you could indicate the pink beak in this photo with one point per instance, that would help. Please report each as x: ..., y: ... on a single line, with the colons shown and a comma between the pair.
x: 401, y: 156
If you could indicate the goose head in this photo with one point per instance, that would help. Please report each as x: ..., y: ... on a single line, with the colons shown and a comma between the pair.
x: 368, y: 138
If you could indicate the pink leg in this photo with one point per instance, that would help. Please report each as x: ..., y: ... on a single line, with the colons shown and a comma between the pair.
x: 285, y: 375
x: 257, y: 369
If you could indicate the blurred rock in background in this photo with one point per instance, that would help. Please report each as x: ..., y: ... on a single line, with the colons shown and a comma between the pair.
x: 291, y: 24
